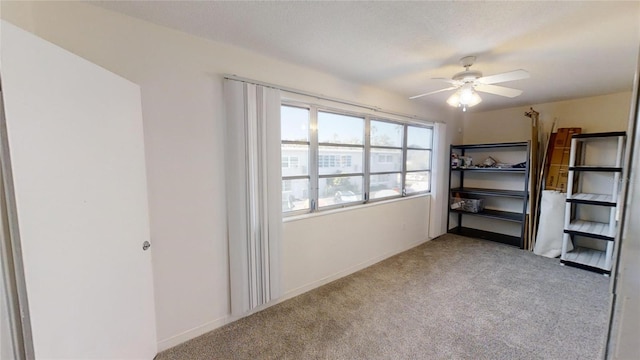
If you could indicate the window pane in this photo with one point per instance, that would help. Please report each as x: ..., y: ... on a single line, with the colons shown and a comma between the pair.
x: 340, y: 129
x: 339, y: 160
x: 385, y: 185
x: 418, y: 160
x: 295, y: 159
x: 295, y: 195
x: 294, y: 123
x: 418, y: 137
x: 385, y: 160
x: 386, y: 134
x: 418, y: 182
x: 340, y: 190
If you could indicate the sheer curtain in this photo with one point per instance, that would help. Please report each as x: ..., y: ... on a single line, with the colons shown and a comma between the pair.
x: 254, y: 193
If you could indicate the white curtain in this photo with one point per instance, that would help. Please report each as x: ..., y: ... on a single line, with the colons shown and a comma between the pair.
x: 439, y: 182
x: 254, y: 193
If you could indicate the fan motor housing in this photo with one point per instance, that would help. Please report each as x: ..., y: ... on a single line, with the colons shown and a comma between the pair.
x: 467, y: 75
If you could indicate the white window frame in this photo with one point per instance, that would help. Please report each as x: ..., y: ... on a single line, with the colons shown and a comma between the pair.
x: 337, y: 160
x: 314, y: 161
x: 402, y: 150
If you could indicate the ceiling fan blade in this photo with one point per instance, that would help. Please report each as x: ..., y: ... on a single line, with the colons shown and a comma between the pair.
x: 450, y: 81
x: 507, y: 76
x: 433, y: 92
x: 498, y: 90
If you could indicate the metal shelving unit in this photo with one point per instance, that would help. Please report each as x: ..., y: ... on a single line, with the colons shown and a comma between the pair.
x: 491, y: 173
x: 582, y: 257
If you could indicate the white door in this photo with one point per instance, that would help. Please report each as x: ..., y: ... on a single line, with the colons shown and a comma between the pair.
x: 77, y: 155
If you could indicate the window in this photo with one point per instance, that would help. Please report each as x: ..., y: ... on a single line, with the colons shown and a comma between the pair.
x: 385, y: 168
x: 418, y: 161
x: 340, y: 136
x: 289, y: 161
x: 332, y: 159
x: 295, y: 158
x: 387, y: 159
x: 346, y: 161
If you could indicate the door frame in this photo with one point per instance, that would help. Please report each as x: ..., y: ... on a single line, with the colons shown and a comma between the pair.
x: 623, y: 290
x: 11, y: 252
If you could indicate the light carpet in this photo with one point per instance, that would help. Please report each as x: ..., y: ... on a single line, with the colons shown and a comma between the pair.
x: 450, y: 298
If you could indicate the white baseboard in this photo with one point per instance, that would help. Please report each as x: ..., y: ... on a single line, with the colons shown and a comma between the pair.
x: 192, y: 333
x: 212, y: 325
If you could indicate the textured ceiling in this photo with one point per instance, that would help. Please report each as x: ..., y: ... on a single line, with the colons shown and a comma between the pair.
x: 571, y: 49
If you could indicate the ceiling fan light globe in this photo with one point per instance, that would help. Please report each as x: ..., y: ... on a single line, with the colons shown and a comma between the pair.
x: 464, y: 98
x: 466, y: 95
x: 454, y: 100
x: 474, y: 100
x: 469, y: 97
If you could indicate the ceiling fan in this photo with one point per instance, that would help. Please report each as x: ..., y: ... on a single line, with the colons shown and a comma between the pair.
x: 467, y: 82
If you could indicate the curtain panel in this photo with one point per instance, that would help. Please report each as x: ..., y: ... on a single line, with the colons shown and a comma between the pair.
x: 254, y: 193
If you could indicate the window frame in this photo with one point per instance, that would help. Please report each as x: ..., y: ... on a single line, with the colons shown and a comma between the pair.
x: 429, y: 169
x: 309, y: 161
x: 340, y: 145
x: 402, y: 152
x: 313, y: 174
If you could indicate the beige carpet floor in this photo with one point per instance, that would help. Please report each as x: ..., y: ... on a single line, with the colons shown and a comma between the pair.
x: 450, y: 298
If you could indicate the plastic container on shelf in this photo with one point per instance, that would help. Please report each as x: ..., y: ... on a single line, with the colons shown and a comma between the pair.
x: 455, y: 162
x: 468, y: 205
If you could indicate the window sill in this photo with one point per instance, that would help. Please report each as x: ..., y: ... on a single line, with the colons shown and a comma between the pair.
x: 350, y: 208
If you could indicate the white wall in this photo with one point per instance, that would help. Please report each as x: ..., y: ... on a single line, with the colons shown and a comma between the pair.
x: 350, y: 240
x: 181, y: 81
x: 592, y: 114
